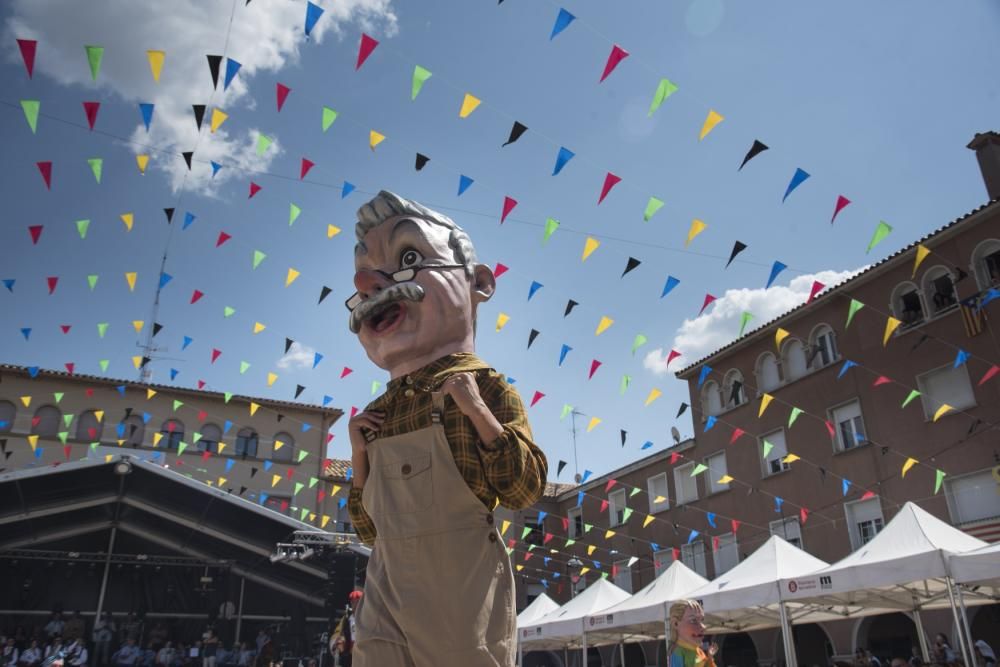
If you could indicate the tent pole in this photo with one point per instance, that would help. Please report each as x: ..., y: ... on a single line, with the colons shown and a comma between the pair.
x: 965, y: 620
x: 921, y: 636
x: 107, y: 569
x: 958, y: 623
x: 786, y: 635
x: 520, y: 653
x: 583, y: 636
x: 239, y: 611
x: 621, y: 651
x: 666, y: 628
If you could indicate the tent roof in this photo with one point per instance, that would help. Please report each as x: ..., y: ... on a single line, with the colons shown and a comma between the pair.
x: 978, y: 566
x: 563, y: 627
x: 539, y: 607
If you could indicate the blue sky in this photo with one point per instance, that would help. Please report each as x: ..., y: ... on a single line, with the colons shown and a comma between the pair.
x: 875, y: 100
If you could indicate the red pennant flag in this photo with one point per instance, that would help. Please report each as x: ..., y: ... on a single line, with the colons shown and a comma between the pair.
x: 708, y: 300
x: 617, y: 55
x: 842, y: 201
x: 508, y: 206
x: 45, y: 168
x: 283, y: 91
x: 35, y: 421
x: 354, y: 411
x: 223, y: 237
x: 89, y: 391
x: 881, y: 380
x: 307, y: 164
x: 65, y: 328
x: 830, y: 429
x: 610, y: 181
x: 205, y: 454
x: 737, y: 433
x: 69, y: 367
x: 36, y: 233
x: 367, y: 46
x: 197, y: 294
x: 284, y: 505
x: 715, y: 543
x: 565, y: 523
x: 803, y: 515
x: 816, y: 289
x: 548, y: 538
x: 329, y: 437
x: 594, y: 365
x: 202, y: 415
x: 52, y: 281
x: 91, y: 108
x: 215, y: 354
x: 289, y: 473
x: 610, y: 485
x: 734, y: 524
x: 604, y: 505
x: 28, y: 48
x: 614, y: 571
x: 867, y: 495
x: 537, y: 397
x: 676, y: 553
x: 66, y: 450
x: 674, y: 457
x: 201, y: 384
x: 344, y: 373
x: 321, y: 495
x: 989, y: 374
x: 673, y: 355
x: 500, y: 270
x: 254, y: 189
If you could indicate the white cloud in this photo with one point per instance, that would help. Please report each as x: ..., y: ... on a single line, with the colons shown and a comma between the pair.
x: 298, y: 356
x: 703, y: 335
x: 264, y: 37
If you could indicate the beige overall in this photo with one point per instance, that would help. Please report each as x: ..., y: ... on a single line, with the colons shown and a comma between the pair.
x: 439, y: 590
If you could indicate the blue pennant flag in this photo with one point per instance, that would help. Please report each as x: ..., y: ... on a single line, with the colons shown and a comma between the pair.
x: 961, y: 357
x: 33, y: 371
x: 164, y: 279
x: 347, y: 189
x: 9, y: 284
x: 778, y: 501
x: 775, y: 270
x: 565, y: 155
x: 535, y: 286
x: 146, y: 417
x: 327, y: 400
x: 313, y: 12
x: 705, y: 370
x: 669, y: 286
x: 263, y: 498
x: 579, y: 498
x: 541, y: 516
x: 848, y: 365
x: 710, y: 422
x: 797, y: 179
x: 341, y: 503
x: 694, y: 534
x: 711, y: 519
x: 229, y: 464
x: 187, y: 341
x: 562, y: 353
x: 306, y: 426
x: 38, y: 452
x: 647, y: 444
x: 562, y: 22
x: 228, y: 425
x: 316, y: 359
x: 188, y: 219
x: 120, y: 429
x: 463, y: 184
x: 267, y: 465
x: 173, y: 373
x: 544, y: 583
x: 26, y: 332
x: 232, y: 67
x: 511, y: 380
x: 121, y: 389
x: 350, y: 473
x: 146, y: 109
x: 215, y: 168
x: 586, y: 476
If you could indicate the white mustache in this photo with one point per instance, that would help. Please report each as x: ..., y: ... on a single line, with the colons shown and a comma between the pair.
x: 408, y: 291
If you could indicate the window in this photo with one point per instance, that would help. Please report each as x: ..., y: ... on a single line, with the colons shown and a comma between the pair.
x: 211, y: 436
x: 711, y: 399
x: 850, y: 427
x: 616, y: 507
x: 972, y: 497
x: 864, y: 520
x: 657, y: 489
x: 662, y: 560
x: 772, y: 456
x: 733, y: 393
x: 622, y: 575
x: 8, y: 412
x: 939, y: 290
x: 716, y: 470
x: 685, y: 485
x: 945, y: 385
x: 132, y: 430
x: 88, y: 427
x: 986, y: 263
x: 789, y: 530
x: 46, y: 421
x: 575, y: 515
x: 535, y: 533
x: 767, y: 372
x: 286, y: 449
x: 693, y: 556
x: 907, y: 306
x: 246, y: 442
x: 727, y: 555
x: 280, y: 504
x: 173, y: 432
x: 793, y: 360
x: 822, y: 347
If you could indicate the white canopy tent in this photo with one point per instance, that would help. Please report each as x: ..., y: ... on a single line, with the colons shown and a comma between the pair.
x: 981, y: 566
x: 562, y: 628
x: 538, y: 608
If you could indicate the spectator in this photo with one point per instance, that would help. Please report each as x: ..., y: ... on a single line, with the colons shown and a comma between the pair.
x: 132, y: 628
x: 194, y: 654
x: 8, y: 658
x: 210, y: 647
x: 76, y: 627
x: 246, y: 656
x: 76, y: 653
x: 985, y: 653
x: 54, y: 626
x: 341, y: 656
x: 158, y: 635
x: 54, y: 648
x: 898, y: 662
x: 128, y: 655
x: 871, y: 659
x: 943, y: 653
x: 916, y: 657
x: 102, y: 634
x: 165, y: 656
x: 31, y: 656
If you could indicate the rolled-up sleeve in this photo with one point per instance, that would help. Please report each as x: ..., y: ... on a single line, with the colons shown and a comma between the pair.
x: 363, y: 524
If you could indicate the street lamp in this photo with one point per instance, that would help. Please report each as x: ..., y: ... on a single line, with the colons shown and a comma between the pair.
x: 573, y: 562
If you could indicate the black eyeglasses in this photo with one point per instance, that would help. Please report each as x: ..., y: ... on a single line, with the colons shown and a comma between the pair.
x: 401, y: 276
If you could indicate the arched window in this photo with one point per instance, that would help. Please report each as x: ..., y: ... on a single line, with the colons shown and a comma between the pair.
x: 711, y: 399
x: 132, y: 430
x: 88, y: 427
x: 907, y: 305
x: 793, y: 359
x: 767, y: 372
x: 822, y: 347
x: 986, y: 263
x: 286, y: 450
x: 939, y: 290
x: 46, y: 421
x: 8, y: 412
x: 733, y: 391
x: 211, y: 436
x: 246, y: 442
x: 173, y: 432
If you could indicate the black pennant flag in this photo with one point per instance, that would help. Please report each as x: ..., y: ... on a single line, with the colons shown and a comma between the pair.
x: 515, y: 133
x: 684, y: 406
x: 298, y: 390
x: 213, y: 66
x: 253, y: 471
x: 128, y: 412
x: 145, y: 360
x: 738, y: 247
x: 532, y: 336
x: 624, y: 435
x: 280, y: 416
x: 632, y: 264
x: 157, y: 328
x: 170, y: 214
x: 3, y: 444
x: 324, y: 293
x: 562, y: 464
x: 199, y: 114
x: 188, y: 155
x: 754, y: 151
x: 243, y: 490
x: 421, y: 161
x: 570, y: 305
x: 288, y: 344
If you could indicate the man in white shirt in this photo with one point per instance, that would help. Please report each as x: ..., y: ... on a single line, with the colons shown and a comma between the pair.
x: 31, y: 656
x: 76, y: 654
x: 9, y: 654
x: 55, y: 625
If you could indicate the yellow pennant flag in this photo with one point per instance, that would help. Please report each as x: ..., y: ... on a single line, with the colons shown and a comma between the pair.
x: 156, y: 62
x: 791, y: 458
x: 648, y: 520
x: 660, y: 499
x: 589, y: 247
x: 594, y: 421
x: 100, y: 415
x: 765, y: 401
x: 150, y: 393
x: 26, y: 400
x: 258, y: 327
x: 504, y: 526
x: 312, y: 516
x: 779, y: 336
x: 942, y: 410
x: 591, y: 549
x: 331, y: 231
x: 108, y: 457
x: 609, y: 534
x: 222, y: 447
x: 326, y: 520
x: 137, y: 325
x: 922, y: 253
x: 218, y: 118
x: 725, y: 479
x: 891, y: 324
x: 375, y: 138
x: 128, y: 219
x: 274, y: 480
x: 910, y: 462
x: 519, y: 567
x: 697, y: 227
x: 335, y: 490
x: 278, y: 444
x: 713, y: 119
x: 502, y: 320
x: 603, y: 325
x: 142, y: 161
x: 654, y: 394
x: 137, y: 361
x: 130, y: 279
x: 290, y: 278
x: 584, y: 571
x: 253, y: 408
x: 271, y: 378
x: 33, y: 441
x: 222, y: 480
x: 156, y: 439
x: 469, y: 105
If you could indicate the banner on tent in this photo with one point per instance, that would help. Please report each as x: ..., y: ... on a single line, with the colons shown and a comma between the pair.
x: 810, y: 584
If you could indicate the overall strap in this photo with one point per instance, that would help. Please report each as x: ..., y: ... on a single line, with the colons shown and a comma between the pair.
x: 437, y: 407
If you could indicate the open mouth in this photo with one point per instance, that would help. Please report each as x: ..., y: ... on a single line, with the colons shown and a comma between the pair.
x: 385, y: 318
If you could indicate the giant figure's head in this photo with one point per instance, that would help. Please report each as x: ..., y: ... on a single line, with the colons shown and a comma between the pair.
x: 418, y: 285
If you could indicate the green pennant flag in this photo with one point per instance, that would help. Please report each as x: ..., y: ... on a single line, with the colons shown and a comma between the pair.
x: 228, y: 395
x: 258, y: 257
x: 913, y: 394
x: 177, y: 404
x: 93, y: 445
x: 313, y: 481
x: 525, y: 531
x: 626, y: 381
x: 96, y: 166
x: 63, y: 435
x: 744, y: 320
x: 626, y: 513
x: 855, y: 307
x: 302, y: 455
x: 604, y: 575
x: 551, y: 225
x: 531, y: 547
x: 302, y: 516
x: 228, y: 311
x: 566, y: 409
x: 243, y: 367
x: 92, y: 281
x: 587, y: 528
x: 197, y: 436
x: 58, y: 395
x: 639, y: 341
x: 181, y: 446
x: 67, y: 419
x: 94, y: 56
x: 104, y: 365
x: 329, y: 115
x: 635, y: 490
x: 940, y: 474
x: 767, y: 447
x: 652, y: 206
x: 795, y: 415
x: 698, y: 469
x: 31, y: 108
x: 298, y: 487
x: 263, y: 143
x: 509, y: 551
x: 665, y: 89
x: 81, y: 227
x: 881, y: 232
x: 420, y: 76
x: 569, y: 543
x: 293, y: 214
x: 375, y: 385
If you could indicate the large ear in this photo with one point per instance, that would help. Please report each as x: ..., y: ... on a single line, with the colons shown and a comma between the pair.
x: 484, y: 283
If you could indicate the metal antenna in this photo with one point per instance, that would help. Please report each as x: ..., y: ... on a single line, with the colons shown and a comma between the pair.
x: 146, y: 373
x: 576, y: 465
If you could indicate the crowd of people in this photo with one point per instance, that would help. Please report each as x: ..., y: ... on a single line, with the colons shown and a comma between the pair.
x: 941, y: 655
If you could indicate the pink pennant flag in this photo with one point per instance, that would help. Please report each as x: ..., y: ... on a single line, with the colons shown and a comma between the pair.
x: 223, y: 237
x: 989, y: 374
x: 500, y: 270
x: 537, y: 397
x: 201, y: 384
x: 91, y: 108
x: 715, y: 543
x: 28, y: 49
x: 673, y: 355
x: 45, y: 168
x: 867, y: 495
x: 254, y: 189
x: 344, y: 373
x: 674, y: 458
x: 676, y: 553
x: 610, y: 485
x: 803, y: 515
x: 69, y: 367
x: 617, y: 55
x: 817, y: 287
x: 881, y: 380
x: 604, y: 506
x: 66, y: 450
x: 565, y: 523
x: 830, y: 429
x: 282, y: 91
x: 206, y: 454
x: 734, y: 524
x: 737, y: 433
x: 196, y: 295
x: 508, y: 205
x: 594, y: 365
x: 52, y: 282
x: 36, y: 233
x: 354, y: 411
x: 367, y: 46
x: 215, y: 354
x: 842, y: 201
x: 307, y: 164
x: 65, y: 328
x: 610, y: 181
x: 708, y: 300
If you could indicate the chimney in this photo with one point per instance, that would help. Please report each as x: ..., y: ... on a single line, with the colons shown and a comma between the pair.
x: 987, y: 147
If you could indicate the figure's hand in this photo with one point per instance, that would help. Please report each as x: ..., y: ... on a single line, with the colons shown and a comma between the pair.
x: 371, y: 421
x: 713, y: 648
x: 464, y: 391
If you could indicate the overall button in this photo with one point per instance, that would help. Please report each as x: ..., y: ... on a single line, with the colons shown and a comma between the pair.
x: 493, y: 537
x: 408, y: 380
x: 406, y: 468
x: 409, y: 393
x: 489, y: 519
